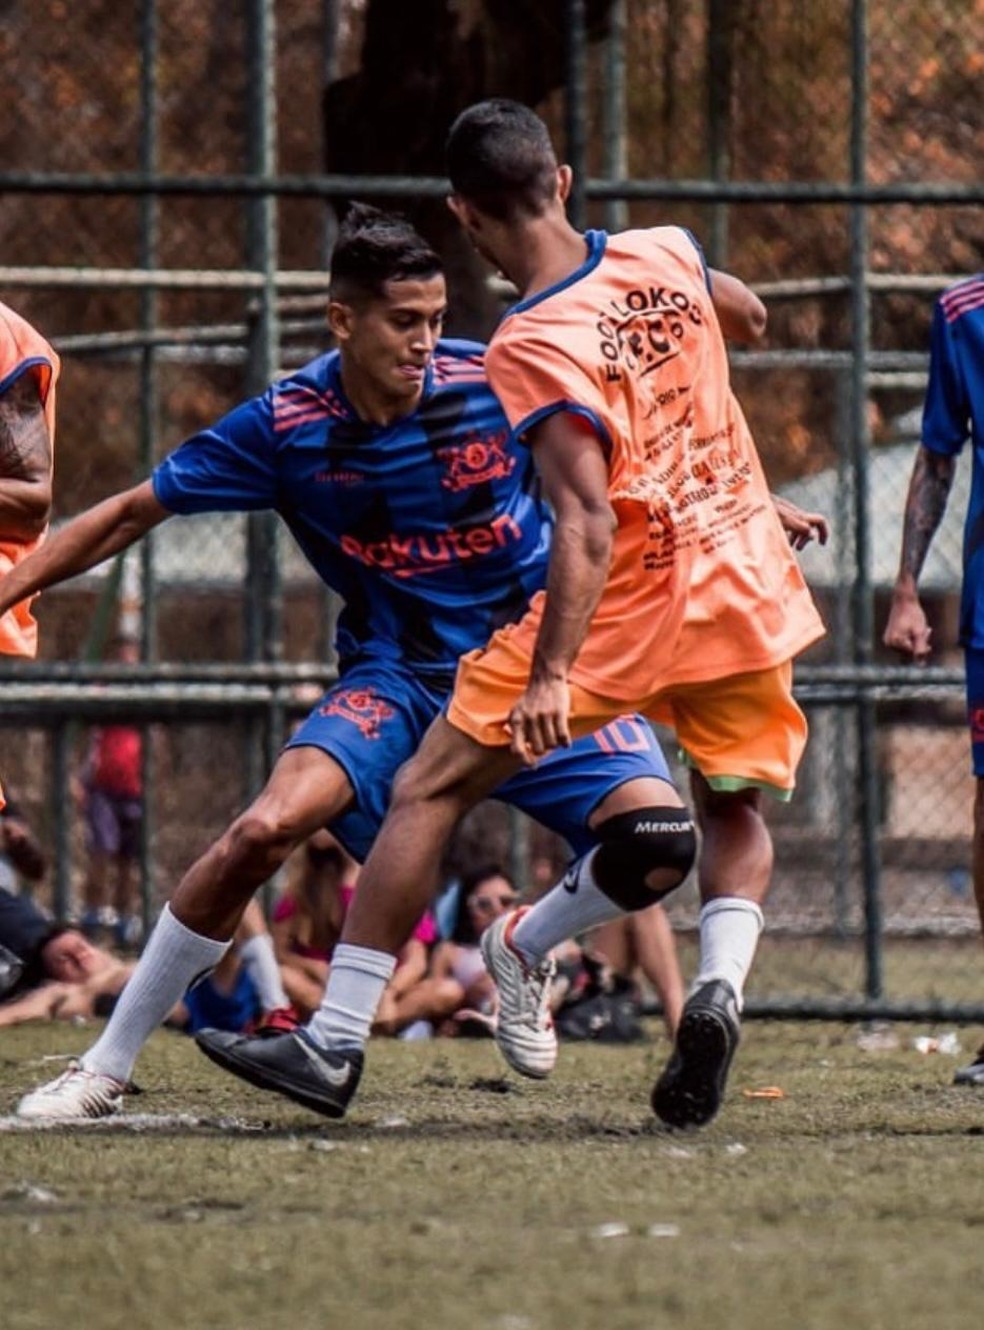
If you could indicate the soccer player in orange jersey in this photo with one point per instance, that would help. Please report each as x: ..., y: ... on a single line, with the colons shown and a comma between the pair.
x: 28, y: 371
x: 671, y: 589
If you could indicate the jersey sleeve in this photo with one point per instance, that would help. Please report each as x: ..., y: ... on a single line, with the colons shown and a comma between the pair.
x: 230, y: 467
x: 946, y: 411
x: 699, y: 248
x: 22, y: 351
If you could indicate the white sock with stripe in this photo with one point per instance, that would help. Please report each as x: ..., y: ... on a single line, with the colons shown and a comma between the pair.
x: 729, y: 932
x: 573, y: 906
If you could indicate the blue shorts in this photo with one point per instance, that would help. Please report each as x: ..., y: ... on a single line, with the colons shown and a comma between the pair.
x: 974, y: 664
x: 374, y: 718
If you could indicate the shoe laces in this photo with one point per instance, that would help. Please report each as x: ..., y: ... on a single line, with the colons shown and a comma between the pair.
x: 536, y: 980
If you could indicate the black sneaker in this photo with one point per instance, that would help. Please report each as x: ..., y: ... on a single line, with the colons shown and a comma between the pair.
x: 690, y: 1090
x: 291, y: 1064
x: 973, y: 1073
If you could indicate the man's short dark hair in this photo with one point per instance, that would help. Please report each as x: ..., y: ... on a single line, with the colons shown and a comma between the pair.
x: 376, y: 247
x: 500, y: 158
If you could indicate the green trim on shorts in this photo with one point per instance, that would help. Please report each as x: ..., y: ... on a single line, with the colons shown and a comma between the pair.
x: 731, y: 784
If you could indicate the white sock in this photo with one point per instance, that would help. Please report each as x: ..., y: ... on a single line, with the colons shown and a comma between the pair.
x: 563, y: 912
x: 356, y: 981
x: 261, y: 965
x: 729, y: 934
x: 174, y: 958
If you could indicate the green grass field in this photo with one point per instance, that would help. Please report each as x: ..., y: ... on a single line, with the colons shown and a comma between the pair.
x: 457, y: 1198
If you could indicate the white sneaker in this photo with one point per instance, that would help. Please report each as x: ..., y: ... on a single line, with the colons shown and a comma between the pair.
x: 75, y: 1095
x: 524, y: 1028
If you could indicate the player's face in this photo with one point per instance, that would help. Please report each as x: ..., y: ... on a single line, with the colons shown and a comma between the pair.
x: 387, y: 343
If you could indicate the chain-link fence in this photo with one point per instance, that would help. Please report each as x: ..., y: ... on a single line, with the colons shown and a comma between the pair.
x: 167, y: 221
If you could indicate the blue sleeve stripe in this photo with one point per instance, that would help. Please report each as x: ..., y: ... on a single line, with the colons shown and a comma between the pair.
x: 703, y: 260
x: 21, y: 369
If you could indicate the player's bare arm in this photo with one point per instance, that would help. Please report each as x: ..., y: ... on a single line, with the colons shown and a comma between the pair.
x: 741, y: 314
x: 929, y: 489
x: 93, y: 536
x: 25, y: 461
x: 574, y: 472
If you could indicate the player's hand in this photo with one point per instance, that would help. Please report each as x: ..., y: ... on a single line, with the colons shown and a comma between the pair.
x: 799, y: 525
x: 538, y: 722
x: 907, y: 629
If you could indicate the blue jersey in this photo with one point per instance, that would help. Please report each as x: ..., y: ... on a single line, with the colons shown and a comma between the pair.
x: 431, y: 529
x: 953, y: 413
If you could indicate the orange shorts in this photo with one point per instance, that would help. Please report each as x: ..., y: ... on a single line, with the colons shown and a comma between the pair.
x: 740, y: 731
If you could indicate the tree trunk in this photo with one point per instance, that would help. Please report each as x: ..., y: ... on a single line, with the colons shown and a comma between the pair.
x: 422, y: 64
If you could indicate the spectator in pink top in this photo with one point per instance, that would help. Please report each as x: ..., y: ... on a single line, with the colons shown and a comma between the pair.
x: 307, y: 923
x: 110, y: 793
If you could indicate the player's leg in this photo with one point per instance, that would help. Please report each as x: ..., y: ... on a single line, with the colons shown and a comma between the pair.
x: 973, y: 1072
x: 611, y: 797
x: 320, y: 1065
x: 306, y: 789
x: 345, y: 752
x: 743, y: 736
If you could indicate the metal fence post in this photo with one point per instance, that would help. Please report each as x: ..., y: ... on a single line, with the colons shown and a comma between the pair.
x: 574, y: 103
x: 149, y: 401
x: 868, y: 795
x: 616, y: 164
x: 263, y: 605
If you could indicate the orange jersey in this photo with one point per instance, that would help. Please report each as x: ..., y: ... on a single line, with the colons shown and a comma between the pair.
x: 23, y: 351
x: 702, y: 583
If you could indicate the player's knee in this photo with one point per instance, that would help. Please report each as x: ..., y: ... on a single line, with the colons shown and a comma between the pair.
x: 644, y: 854
x: 263, y: 831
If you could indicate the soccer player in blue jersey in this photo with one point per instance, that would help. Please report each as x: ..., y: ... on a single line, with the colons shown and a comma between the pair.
x: 393, y: 465
x: 952, y: 414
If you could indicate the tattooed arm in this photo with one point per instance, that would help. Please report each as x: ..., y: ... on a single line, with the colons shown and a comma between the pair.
x: 25, y: 461
x: 932, y: 477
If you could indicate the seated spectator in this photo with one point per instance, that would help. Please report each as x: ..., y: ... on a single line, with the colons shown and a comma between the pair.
x: 22, y: 858
x: 463, y: 989
x: 307, y: 918
x: 48, y: 972
x: 307, y: 923
x: 641, y: 946
x: 245, y: 991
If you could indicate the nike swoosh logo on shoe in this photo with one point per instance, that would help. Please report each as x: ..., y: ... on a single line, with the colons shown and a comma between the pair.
x: 335, y: 1076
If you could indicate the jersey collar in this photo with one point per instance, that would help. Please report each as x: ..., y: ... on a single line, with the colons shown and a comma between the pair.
x: 596, y: 242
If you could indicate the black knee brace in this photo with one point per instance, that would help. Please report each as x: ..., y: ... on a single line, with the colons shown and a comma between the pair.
x: 633, y: 844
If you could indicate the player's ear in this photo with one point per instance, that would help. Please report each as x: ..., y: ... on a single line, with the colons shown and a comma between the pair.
x: 565, y: 178
x: 466, y: 214
x: 340, y: 320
